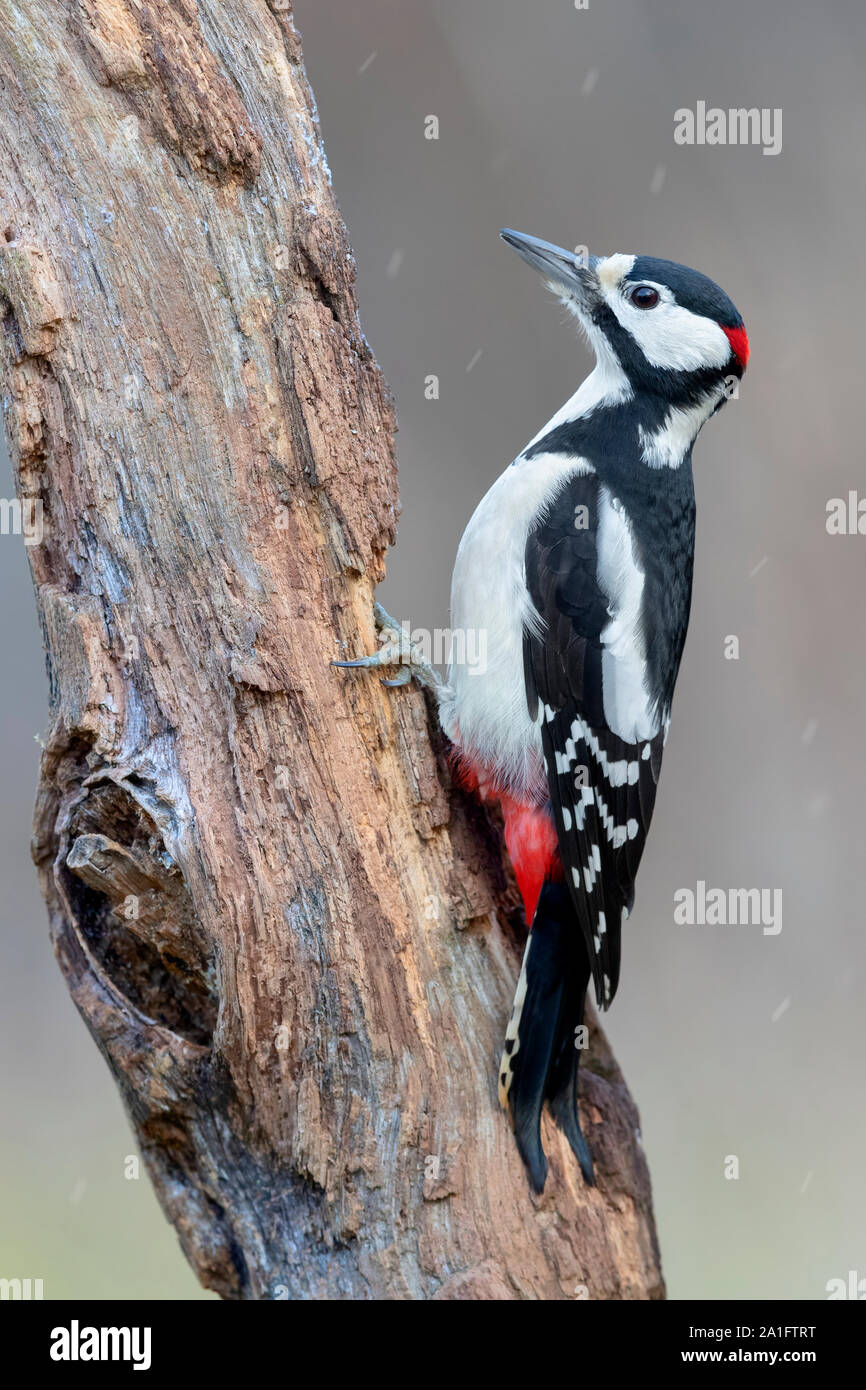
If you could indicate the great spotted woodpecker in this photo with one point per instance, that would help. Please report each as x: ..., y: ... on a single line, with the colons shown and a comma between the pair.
x: 577, y: 568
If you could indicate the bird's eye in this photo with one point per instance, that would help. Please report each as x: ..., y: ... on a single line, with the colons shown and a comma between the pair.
x: 644, y: 297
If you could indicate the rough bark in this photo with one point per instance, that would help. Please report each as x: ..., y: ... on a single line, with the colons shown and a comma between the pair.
x: 293, y: 940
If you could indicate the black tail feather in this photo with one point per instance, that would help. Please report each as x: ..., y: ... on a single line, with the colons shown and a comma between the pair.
x: 541, y: 1058
x: 561, y: 1090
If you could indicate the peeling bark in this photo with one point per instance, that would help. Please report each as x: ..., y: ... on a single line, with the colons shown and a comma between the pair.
x: 294, y: 941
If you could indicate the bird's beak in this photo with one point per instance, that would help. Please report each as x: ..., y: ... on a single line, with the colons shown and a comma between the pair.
x: 562, y: 269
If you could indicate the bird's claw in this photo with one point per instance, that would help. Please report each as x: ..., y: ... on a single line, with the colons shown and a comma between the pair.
x: 397, y: 650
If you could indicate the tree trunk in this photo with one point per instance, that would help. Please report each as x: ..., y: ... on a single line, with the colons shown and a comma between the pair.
x: 294, y: 941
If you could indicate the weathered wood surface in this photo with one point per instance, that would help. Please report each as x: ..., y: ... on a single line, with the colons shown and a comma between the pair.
x: 292, y: 939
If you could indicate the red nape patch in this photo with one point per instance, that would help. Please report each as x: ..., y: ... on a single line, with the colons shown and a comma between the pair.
x: 530, y: 838
x: 739, y: 342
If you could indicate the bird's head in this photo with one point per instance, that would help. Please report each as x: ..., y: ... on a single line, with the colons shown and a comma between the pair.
x: 670, y: 330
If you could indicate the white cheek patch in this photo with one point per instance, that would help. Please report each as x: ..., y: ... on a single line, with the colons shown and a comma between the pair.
x: 669, y: 335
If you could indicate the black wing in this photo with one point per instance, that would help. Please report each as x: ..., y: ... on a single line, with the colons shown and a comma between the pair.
x: 602, y: 787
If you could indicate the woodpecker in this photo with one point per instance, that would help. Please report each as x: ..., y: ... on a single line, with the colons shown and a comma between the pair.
x: 576, y: 567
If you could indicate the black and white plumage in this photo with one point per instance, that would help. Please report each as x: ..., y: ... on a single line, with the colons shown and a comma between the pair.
x: 577, y: 565
x: 576, y: 568
x: 602, y: 764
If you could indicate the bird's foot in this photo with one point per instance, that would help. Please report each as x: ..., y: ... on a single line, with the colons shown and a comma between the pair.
x: 398, y: 650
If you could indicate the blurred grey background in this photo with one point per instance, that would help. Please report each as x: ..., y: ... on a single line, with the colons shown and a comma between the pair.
x: 559, y: 121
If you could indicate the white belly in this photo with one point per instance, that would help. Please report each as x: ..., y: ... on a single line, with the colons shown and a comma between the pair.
x: 485, y: 713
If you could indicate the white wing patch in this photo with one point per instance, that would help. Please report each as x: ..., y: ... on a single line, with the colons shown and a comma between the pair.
x: 627, y: 705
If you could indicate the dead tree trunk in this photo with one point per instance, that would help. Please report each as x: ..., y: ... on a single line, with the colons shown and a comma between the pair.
x: 291, y: 938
